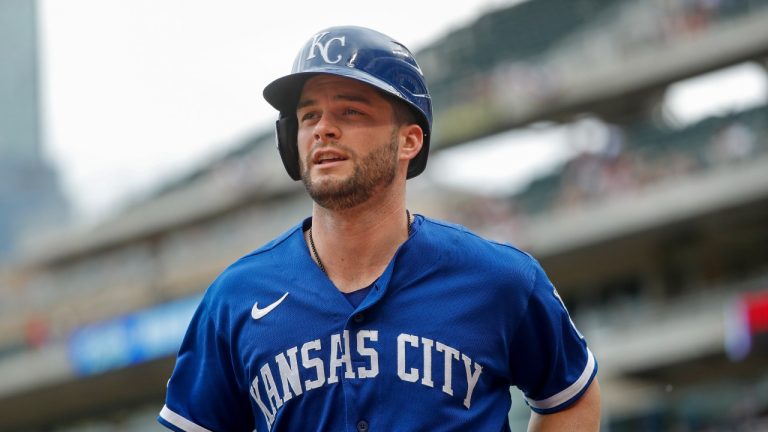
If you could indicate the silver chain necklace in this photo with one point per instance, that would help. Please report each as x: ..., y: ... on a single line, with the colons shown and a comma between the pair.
x: 317, y: 257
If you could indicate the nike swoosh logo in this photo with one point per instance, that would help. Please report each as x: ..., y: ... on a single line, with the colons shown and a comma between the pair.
x: 257, y: 313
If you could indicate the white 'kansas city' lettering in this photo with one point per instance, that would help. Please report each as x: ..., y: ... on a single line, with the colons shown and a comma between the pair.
x: 302, y: 369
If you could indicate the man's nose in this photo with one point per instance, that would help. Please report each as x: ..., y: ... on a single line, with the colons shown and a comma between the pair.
x: 326, y: 129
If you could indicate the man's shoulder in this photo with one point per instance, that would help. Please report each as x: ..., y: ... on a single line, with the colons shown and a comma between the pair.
x: 278, y: 245
x: 455, y: 236
x: 463, y: 251
x: 264, y: 260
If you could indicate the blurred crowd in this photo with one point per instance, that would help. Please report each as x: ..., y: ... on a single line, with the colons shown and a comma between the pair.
x: 623, y: 161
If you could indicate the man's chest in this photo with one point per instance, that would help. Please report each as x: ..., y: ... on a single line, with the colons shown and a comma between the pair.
x: 444, y: 348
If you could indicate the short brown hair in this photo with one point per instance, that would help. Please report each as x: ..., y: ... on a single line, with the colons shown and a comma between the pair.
x: 403, y: 112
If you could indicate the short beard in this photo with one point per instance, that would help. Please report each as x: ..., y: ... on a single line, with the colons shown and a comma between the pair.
x: 377, y: 169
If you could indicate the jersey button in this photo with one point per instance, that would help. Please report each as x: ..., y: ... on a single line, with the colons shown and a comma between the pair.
x: 362, y: 426
x: 359, y: 317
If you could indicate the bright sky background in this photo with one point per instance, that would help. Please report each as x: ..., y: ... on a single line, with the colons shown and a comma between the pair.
x: 136, y: 92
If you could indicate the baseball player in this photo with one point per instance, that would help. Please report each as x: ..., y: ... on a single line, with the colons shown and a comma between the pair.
x: 364, y: 316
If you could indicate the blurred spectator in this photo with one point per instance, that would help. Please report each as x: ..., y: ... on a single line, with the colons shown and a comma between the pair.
x: 36, y: 331
x: 580, y: 180
x: 497, y: 218
x: 733, y: 142
x: 605, y: 169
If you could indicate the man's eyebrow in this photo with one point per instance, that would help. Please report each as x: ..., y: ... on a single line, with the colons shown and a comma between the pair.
x: 304, y: 102
x: 352, y: 98
x: 342, y: 96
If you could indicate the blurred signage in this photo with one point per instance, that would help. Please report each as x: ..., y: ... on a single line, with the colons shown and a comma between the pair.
x: 131, y: 339
x: 747, y: 322
x: 756, y: 312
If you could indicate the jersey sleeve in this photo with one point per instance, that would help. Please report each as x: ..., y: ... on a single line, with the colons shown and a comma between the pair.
x: 550, y: 362
x: 203, y: 392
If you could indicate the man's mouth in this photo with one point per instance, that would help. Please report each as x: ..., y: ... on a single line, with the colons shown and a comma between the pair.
x: 325, y: 160
x: 326, y: 157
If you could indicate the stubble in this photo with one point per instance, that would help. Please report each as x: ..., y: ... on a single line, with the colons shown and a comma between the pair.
x: 376, y: 170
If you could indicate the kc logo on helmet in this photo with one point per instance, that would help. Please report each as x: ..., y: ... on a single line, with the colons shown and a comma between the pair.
x: 317, y: 42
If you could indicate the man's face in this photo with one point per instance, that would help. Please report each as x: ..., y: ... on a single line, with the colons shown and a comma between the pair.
x: 348, y: 141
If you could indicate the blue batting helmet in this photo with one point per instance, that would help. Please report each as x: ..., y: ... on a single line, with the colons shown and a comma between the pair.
x: 357, y: 53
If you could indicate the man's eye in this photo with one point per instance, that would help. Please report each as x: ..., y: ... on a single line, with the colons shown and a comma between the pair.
x: 308, y: 116
x: 351, y: 111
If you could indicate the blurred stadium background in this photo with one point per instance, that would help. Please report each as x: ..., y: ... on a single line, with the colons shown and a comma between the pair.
x: 654, y: 227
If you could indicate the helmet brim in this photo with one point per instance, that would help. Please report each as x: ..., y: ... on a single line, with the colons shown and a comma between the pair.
x: 283, y: 93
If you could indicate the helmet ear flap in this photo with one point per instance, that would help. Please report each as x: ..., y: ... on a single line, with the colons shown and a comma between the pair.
x: 286, y: 129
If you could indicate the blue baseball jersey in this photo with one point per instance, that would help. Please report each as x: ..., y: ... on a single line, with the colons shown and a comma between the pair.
x: 450, y: 325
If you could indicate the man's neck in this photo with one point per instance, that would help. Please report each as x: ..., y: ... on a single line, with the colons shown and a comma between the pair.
x: 356, y: 245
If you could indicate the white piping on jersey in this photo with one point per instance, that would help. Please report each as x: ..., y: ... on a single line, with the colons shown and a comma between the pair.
x: 570, y: 391
x: 179, y: 421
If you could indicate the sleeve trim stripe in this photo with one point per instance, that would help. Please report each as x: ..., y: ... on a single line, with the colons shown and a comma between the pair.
x: 571, y: 391
x: 179, y: 421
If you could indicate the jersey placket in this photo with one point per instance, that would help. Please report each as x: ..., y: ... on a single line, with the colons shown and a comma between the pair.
x: 364, y: 332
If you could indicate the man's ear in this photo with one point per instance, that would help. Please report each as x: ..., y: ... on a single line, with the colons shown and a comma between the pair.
x: 411, y: 141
